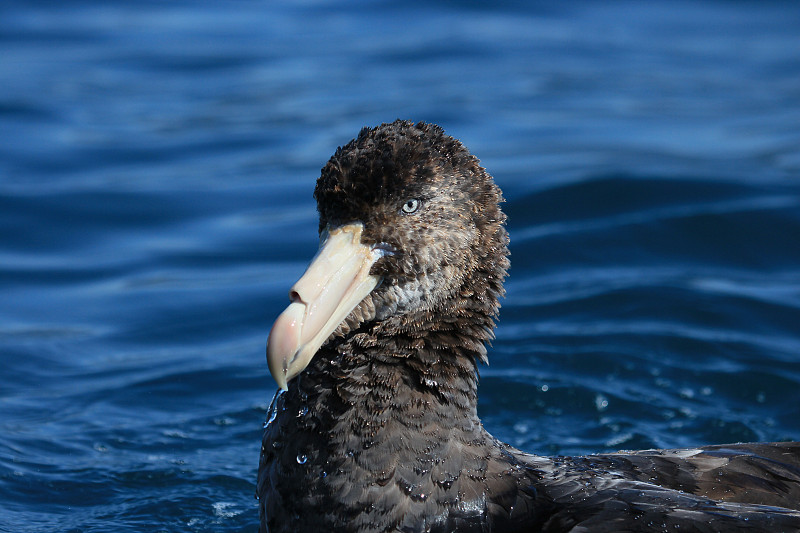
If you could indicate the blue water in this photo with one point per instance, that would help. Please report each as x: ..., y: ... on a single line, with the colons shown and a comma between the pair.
x: 157, y: 160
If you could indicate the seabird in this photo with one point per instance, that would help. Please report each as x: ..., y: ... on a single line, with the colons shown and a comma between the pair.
x: 375, y: 428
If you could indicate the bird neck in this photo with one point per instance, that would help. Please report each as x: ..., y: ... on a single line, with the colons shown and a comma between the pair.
x: 397, y: 379
x: 396, y: 375
x: 427, y: 358
x: 383, y: 425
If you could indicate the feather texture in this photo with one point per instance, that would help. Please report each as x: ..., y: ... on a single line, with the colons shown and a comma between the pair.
x: 380, y: 432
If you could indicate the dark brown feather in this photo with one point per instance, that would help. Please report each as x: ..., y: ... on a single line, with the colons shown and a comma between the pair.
x: 380, y: 433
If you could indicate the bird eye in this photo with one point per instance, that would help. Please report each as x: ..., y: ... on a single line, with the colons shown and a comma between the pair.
x: 411, y: 206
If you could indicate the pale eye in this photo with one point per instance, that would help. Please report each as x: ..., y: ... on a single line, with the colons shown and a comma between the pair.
x: 410, y: 206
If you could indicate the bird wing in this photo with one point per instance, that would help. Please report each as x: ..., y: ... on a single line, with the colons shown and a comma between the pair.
x: 758, y: 473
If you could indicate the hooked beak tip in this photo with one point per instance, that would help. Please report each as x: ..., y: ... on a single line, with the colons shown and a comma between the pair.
x: 335, y: 282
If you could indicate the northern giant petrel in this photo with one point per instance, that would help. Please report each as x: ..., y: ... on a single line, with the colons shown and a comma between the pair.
x: 377, y: 430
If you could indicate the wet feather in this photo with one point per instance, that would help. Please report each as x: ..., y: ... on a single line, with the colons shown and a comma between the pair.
x: 380, y: 432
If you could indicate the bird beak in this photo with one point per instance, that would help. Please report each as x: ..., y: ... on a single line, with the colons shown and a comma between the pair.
x: 333, y: 285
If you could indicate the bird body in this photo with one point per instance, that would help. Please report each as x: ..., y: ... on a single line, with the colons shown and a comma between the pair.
x: 377, y: 430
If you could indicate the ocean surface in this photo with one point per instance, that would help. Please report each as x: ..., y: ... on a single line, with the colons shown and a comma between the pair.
x: 157, y: 160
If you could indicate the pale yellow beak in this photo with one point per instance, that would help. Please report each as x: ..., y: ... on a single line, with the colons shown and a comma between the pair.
x: 333, y: 285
